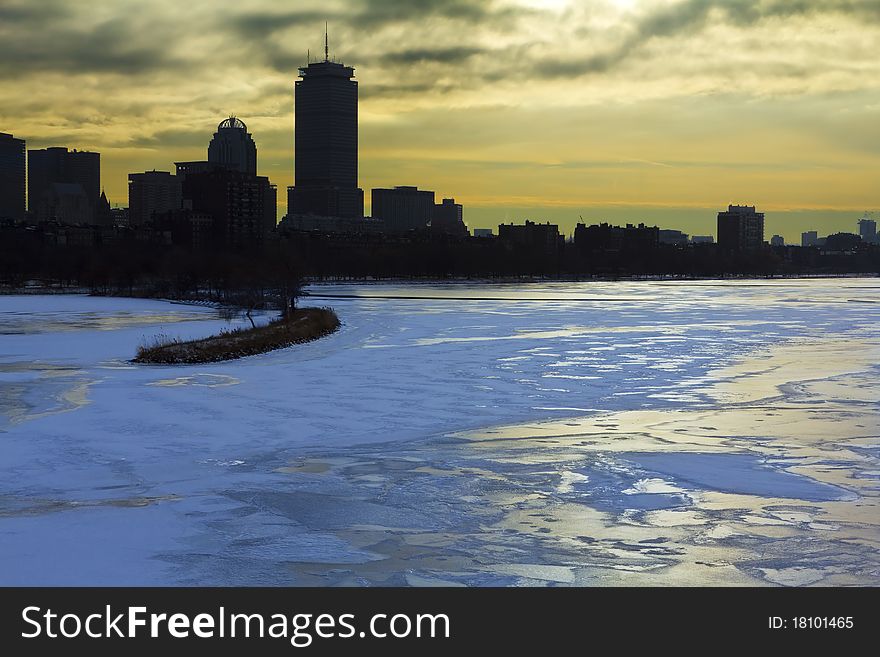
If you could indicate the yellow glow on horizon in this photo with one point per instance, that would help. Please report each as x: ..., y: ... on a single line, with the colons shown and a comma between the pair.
x: 556, y: 104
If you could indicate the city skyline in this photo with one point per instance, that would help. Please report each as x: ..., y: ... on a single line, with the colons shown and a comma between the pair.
x: 618, y: 111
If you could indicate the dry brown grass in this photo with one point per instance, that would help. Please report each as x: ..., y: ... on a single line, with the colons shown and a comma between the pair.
x: 303, y: 325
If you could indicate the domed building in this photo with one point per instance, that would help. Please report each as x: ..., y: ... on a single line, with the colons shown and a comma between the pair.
x: 233, y: 147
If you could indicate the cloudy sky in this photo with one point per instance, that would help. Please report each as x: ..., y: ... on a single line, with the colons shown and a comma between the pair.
x: 627, y: 110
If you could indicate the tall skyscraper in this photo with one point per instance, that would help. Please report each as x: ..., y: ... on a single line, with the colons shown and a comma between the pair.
x: 152, y: 193
x: 326, y: 141
x: 868, y: 229
x: 233, y: 147
x: 741, y: 228
x: 12, y: 177
x: 49, y: 167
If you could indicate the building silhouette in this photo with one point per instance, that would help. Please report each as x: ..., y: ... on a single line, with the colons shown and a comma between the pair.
x: 402, y: 208
x: 242, y: 206
x: 232, y: 147
x: 221, y: 201
x: 777, y: 240
x: 53, y: 174
x: 868, y: 230
x: 151, y: 193
x: 614, y: 239
x: 448, y: 218
x: 531, y: 236
x: 809, y: 238
x: 185, y: 169
x: 12, y: 177
x: 65, y: 203
x: 103, y: 212
x: 740, y: 228
x: 670, y: 236
x: 326, y: 141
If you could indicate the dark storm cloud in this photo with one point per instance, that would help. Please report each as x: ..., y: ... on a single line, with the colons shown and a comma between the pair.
x: 174, y: 138
x: 261, y: 24
x: 31, y: 14
x: 396, y: 11
x: 691, y: 16
x: 374, y: 14
x: 380, y: 90
x: 452, y: 55
x: 44, y: 37
x: 268, y: 31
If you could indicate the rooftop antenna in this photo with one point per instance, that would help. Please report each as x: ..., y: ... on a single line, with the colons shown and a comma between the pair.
x: 308, y: 56
x: 326, y: 44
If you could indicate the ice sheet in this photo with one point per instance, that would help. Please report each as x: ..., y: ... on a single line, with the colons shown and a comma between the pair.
x: 594, y: 433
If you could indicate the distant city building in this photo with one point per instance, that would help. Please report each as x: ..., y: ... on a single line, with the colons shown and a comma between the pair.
x: 326, y: 142
x: 243, y: 206
x: 605, y: 237
x: 868, y: 230
x: 777, y: 240
x: 65, y: 203
x: 103, y: 212
x: 403, y: 208
x: 185, y: 169
x: 809, y: 238
x: 667, y: 236
x: 531, y: 236
x: 50, y: 166
x: 483, y: 232
x: 119, y: 217
x: 702, y: 239
x: 741, y: 228
x: 232, y: 147
x: 12, y: 177
x: 448, y: 218
x: 150, y: 193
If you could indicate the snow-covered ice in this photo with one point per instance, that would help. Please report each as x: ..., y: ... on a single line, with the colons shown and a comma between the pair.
x: 539, y: 434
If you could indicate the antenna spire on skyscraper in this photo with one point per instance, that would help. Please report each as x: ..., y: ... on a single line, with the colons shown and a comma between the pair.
x: 326, y: 44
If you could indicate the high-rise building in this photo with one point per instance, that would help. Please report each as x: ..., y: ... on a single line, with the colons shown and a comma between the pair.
x: 448, y: 218
x: 57, y: 165
x: 65, y: 203
x: 326, y: 142
x: 868, y: 229
x: 242, y: 205
x: 185, y: 169
x: 809, y: 238
x: 403, y: 208
x: 741, y: 228
x: 233, y: 147
x: 12, y: 177
x: 151, y: 193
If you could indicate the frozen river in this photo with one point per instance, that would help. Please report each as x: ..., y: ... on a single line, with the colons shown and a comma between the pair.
x: 644, y: 433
